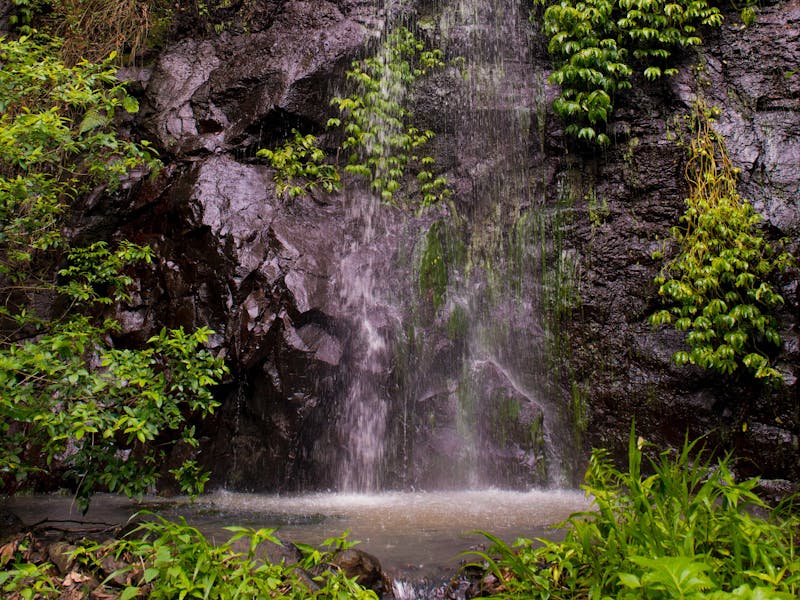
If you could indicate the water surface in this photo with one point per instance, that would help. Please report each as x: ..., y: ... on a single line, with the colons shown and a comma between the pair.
x: 416, y: 535
x: 413, y: 534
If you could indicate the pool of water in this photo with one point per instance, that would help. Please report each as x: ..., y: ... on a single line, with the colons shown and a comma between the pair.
x: 417, y: 536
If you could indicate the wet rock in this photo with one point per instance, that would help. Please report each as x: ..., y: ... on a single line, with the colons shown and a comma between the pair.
x: 753, y: 86
x: 58, y: 553
x: 10, y: 525
x: 507, y: 448
x: 472, y: 581
x: 178, y: 76
x: 213, y: 95
x: 774, y: 491
x: 617, y: 356
x: 325, y: 347
x: 267, y: 274
x: 7, y: 9
x: 114, y: 569
x: 367, y: 570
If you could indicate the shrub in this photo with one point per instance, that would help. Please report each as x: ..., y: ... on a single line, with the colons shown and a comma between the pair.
x: 688, y: 530
x: 71, y: 403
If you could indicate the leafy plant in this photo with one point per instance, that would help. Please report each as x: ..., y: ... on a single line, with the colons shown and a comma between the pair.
x: 72, y: 404
x: 379, y: 136
x: 687, y: 530
x: 190, y: 477
x: 167, y: 560
x: 299, y: 167
x: 747, y: 11
x: 718, y: 285
x: 669, y: 577
x: 29, y: 581
x: 598, y: 44
x: 221, y: 15
x: 24, y: 14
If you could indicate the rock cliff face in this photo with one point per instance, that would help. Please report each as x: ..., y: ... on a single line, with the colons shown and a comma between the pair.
x: 626, y: 363
x: 234, y: 256
x: 263, y: 272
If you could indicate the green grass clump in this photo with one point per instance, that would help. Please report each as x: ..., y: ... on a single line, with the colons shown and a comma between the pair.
x: 689, y: 530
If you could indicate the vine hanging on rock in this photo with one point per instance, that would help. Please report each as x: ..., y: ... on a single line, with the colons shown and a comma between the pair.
x: 717, y: 286
x: 598, y: 45
x: 379, y: 135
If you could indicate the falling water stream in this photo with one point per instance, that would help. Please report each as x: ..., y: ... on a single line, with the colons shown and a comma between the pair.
x: 452, y: 387
x: 418, y: 452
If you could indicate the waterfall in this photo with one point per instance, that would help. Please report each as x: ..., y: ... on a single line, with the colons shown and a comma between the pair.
x: 450, y: 377
x: 364, y: 405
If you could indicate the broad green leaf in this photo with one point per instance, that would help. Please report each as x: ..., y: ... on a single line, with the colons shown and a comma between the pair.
x: 130, y: 104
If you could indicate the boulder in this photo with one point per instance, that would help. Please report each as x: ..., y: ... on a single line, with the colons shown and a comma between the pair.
x: 367, y: 570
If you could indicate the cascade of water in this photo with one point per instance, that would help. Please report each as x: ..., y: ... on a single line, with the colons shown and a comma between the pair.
x: 364, y: 407
x: 362, y: 418
x: 473, y: 409
x: 494, y: 129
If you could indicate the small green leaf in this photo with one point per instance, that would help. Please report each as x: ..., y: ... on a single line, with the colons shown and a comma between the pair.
x: 130, y: 104
x: 129, y: 592
x: 629, y: 580
x: 652, y: 73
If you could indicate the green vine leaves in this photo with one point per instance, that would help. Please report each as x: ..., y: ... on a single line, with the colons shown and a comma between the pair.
x: 381, y: 140
x: 300, y: 167
x: 717, y: 287
x: 598, y: 44
x: 379, y: 137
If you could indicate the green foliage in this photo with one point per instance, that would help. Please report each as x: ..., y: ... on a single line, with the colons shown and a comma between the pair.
x: 379, y: 136
x: 433, y: 268
x: 190, y: 477
x: 24, y: 13
x: 598, y: 44
x: 71, y: 403
x: 688, y: 530
x: 299, y: 167
x: 718, y: 285
x: 72, y: 400
x: 29, y: 581
x: 56, y: 142
x: 747, y: 11
x: 169, y: 560
x: 222, y: 15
